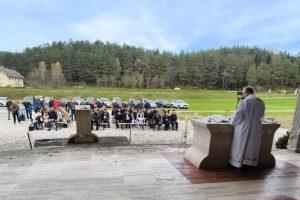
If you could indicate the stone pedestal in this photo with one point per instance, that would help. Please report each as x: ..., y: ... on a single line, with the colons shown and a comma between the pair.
x: 83, y: 127
x: 211, y: 145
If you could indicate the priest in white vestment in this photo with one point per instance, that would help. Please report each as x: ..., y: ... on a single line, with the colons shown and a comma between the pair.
x: 247, y: 121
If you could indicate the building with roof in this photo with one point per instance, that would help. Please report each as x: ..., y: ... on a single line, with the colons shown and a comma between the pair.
x: 10, y: 78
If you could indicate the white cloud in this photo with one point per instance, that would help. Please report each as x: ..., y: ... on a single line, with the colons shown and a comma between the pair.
x: 138, y: 31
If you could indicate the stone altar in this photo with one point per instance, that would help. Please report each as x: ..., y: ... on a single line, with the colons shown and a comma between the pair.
x: 83, y: 127
x: 211, y: 145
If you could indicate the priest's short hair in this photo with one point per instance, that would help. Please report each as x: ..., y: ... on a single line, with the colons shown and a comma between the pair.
x: 249, y: 89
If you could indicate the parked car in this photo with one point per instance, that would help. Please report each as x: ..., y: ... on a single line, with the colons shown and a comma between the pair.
x: 78, y: 100
x: 47, y: 99
x: 152, y: 103
x: 90, y: 100
x: 38, y: 97
x: 161, y: 103
x: 133, y: 102
x: 178, y: 103
x: 106, y: 102
x: 64, y: 101
x: 117, y: 101
x: 28, y: 99
x: 3, y: 101
x: 144, y: 99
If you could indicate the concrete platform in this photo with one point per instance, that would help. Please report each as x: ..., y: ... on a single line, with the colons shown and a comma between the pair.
x: 127, y: 172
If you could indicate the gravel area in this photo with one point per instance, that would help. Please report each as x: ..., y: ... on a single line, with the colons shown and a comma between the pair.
x: 14, y: 136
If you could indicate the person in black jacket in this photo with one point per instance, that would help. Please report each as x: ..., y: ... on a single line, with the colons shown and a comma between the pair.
x: 140, y: 105
x: 104, y: 117
x: 95, y: 119
x: 157, y: 120
x: 52, y: 116
x: 8, y: 104
x: 118, y: 116
x: 173, y: 120
x: 128, y: 118
x: 51, y: 103
x: 147, y: 105
x: 166, y: 121
x: 27, y: 105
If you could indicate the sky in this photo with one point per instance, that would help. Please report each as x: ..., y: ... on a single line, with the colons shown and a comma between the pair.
x: 170, y: 25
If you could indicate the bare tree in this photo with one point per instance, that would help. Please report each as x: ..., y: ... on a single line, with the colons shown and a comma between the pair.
x: 39, y: 76
x: 57, y: 78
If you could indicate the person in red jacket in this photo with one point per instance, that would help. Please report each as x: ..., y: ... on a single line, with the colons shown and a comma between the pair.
x: 56, y: 104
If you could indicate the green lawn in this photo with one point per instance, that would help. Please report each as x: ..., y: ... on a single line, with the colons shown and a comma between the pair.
x: 205, y: 102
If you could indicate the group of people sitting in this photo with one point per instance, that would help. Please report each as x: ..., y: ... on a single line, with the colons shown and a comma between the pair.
x: 48, y: 117
x: 127, y: 116
x: 153, y: 118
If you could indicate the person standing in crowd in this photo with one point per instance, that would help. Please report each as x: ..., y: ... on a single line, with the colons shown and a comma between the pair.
x: 31, y: 109
x: 27, y: 105
x: 173, y: 120
x: 140, y: 105
x: 147, y: 105
x: 22, y: 111
x: 15, y: 111
x: 56, y: 104
x: 71, y: 105
x: 8, y: 105
x: 247, y: 122
x: 51, y: 103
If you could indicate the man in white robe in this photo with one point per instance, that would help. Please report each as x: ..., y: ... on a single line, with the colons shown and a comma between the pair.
x: 247, y: 121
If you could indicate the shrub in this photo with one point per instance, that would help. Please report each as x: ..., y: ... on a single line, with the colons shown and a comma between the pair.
x: 283, y: 141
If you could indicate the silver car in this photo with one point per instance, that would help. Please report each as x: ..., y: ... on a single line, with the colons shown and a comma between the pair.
x: 106, y: 102
x: 3, y: 101
x: 178, y: 103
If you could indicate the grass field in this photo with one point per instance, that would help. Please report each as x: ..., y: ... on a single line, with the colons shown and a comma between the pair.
x: 204, y: 102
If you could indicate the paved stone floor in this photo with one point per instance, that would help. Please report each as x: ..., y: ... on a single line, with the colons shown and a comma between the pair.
x: 128, y: 172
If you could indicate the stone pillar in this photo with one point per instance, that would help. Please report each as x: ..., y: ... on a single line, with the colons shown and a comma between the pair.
x: 83, y: 127
x: 294, y: 140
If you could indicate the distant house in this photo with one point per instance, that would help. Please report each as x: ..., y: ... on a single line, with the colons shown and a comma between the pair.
x: 10, y: 78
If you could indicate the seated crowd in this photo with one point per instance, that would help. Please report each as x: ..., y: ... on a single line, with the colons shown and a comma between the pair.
x: 130, y: 115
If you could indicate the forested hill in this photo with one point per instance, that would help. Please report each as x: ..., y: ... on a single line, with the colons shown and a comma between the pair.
x: 107, y: 64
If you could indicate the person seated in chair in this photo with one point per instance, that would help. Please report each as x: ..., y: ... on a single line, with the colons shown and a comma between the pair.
x: 118, y: 116
x: 104, y: 117
x: 141, y: 117
x: 95, y: 119
x: 157, y: 120
x: 173, y: 120
x: 128, y: 118
x: 38, y: 119
x: 52, y: 118
x: 166, y: 121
